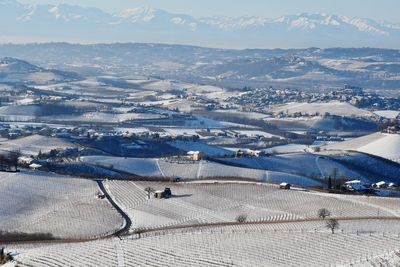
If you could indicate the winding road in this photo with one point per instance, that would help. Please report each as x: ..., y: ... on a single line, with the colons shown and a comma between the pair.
x: 128, y: 221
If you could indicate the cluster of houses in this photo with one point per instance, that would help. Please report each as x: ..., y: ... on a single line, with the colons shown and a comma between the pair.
x: 360, y: 187
x: 249, y: 153
x: 198, y: 155
x: 28, y: 162
x: 259, y: 99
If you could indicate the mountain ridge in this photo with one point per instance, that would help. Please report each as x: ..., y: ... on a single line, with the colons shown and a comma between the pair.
x: 371, y: 68
x: 73, y: 23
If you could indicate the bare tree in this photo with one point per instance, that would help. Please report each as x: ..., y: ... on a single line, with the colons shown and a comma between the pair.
x: 335, y: 172
x: 3, y: 159
x: 332, y: 224
x: 241, y: 218
x: 329, y: 182
x: 40, y: 154
x: 323, y: 213
x: 149, y: 190
x: 13, y: 157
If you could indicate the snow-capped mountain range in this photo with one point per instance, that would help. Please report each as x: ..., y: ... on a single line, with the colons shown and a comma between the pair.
x: 27, y: 23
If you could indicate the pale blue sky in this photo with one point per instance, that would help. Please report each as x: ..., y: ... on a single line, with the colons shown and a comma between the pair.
x: 376, y: 9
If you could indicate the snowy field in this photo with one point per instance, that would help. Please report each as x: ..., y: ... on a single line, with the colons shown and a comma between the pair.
x: 334, y: 108
x: 379, y: 144
x: 104, y: 117
x: 24, y: 110
x: 277, y: 242
x: 208, y: 150
x: 388, y: 114
x: 172, y: 168
x: 289, y: 148
x: 31, y: 145
x: 35, y: 202
x: 243, y: 114
x: 167, y: 168
x: 245, y: 245
x: 202, y: 123
x: 194, y: 203
x: 302, y: 164
x: 141, y: 167
x: 254, y: 133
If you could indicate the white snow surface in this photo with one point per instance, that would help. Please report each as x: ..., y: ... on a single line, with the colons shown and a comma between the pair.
x: 193, y: 203
x: 384, y: 145
x: 389, y: 114
x: 36, y: 202
x: 31, y: 145
x: 206, y: 149
x: 261, y: 245
x: 333, y: 107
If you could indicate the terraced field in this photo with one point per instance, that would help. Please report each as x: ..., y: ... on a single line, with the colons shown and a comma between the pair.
x: 31, y: 145
x: 35, y: 202
x: 379, y: 144
x: 228, y: 246
x: 282, y: 228
x: 302, y: 164
x: 194, y: 203
x: 165, y: 168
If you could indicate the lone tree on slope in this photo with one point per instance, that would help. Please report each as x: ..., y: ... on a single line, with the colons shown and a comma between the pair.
x: 329, y: 182
x: 149, y: 190
x: 323, y: 213
x: 332, y: 224
x: 13, y: 157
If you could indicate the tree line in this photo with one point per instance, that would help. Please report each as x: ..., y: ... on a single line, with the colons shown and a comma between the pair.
x: 9, y: 161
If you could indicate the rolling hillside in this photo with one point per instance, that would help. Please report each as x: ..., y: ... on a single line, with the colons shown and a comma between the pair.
x: 379, y: 144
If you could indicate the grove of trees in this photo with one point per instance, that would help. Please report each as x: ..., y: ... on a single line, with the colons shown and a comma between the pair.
x: 9, y: 161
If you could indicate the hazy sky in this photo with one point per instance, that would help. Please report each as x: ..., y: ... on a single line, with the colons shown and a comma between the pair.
x: 376, y: 9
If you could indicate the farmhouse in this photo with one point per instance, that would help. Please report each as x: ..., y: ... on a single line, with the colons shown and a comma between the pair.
x: 357, y: 186
x: 35, y: 166
x: 25, y: 160
x: 254, y: 153
x: 381, y: 184
x: 167, y: 193
x: 285, y: 186
x: 195, y: 155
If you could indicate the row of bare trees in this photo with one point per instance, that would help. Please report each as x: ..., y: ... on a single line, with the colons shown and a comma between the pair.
x: 323, y: 213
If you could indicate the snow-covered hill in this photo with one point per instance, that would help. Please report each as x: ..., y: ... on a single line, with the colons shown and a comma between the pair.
x: 16, y: 70
x: 384, y: 145
x: 65, y: 22
x: 371, y: 68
